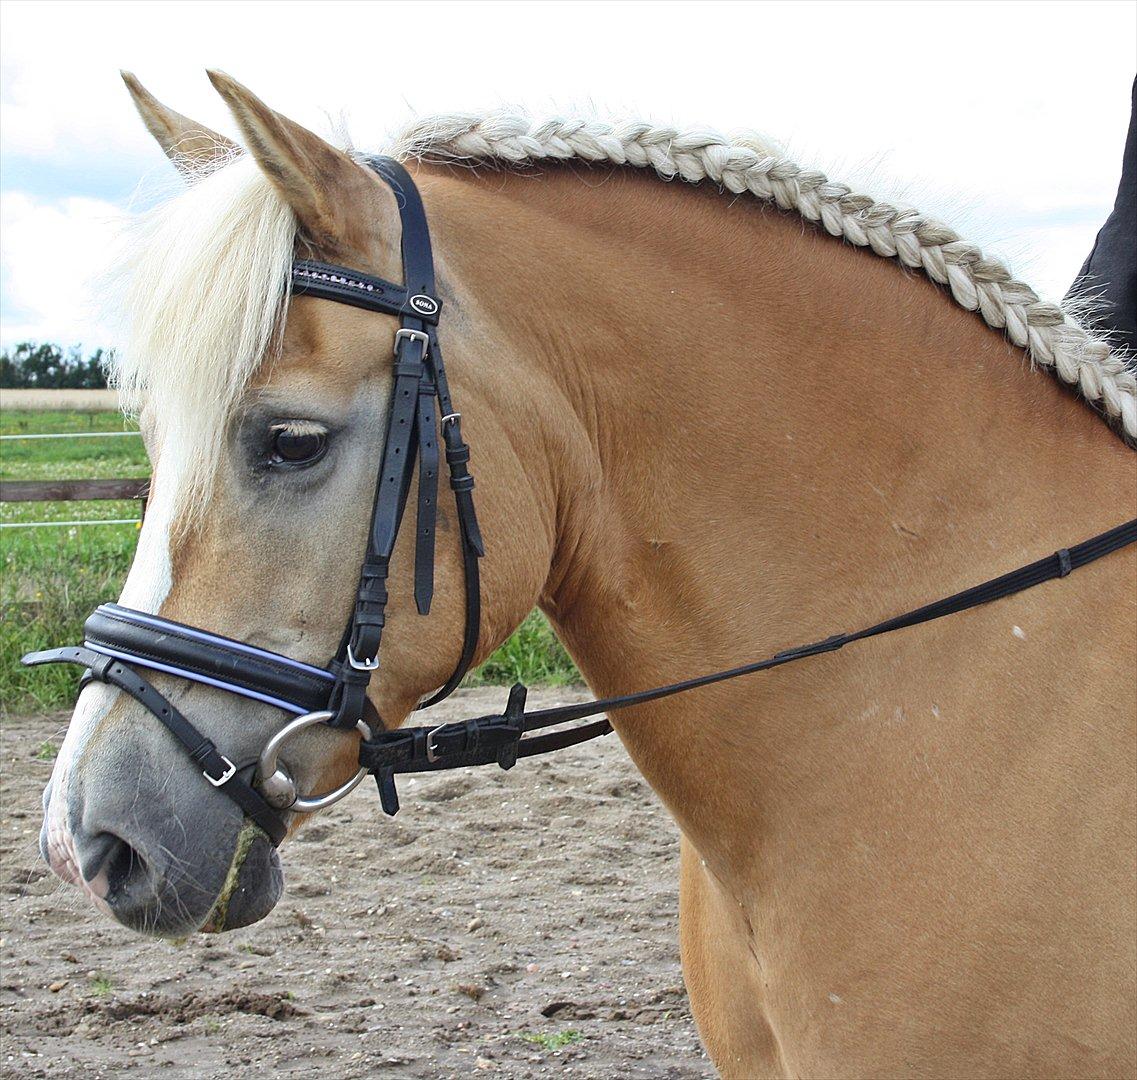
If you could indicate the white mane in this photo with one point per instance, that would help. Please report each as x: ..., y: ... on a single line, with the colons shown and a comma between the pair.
x: 202, y: 281
x: 204, y: 277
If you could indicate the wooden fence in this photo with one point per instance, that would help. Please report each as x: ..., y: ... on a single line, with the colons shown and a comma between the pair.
x: 132, y: 487
x: 136, y: 487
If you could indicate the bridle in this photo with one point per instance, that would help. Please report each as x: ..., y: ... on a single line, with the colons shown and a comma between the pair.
x: 119, y: 640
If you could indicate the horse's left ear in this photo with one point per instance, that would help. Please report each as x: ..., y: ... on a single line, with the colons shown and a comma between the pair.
x: 188, y: 144
x: 321, y: 184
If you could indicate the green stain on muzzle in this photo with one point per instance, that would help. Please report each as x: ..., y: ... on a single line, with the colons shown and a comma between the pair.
x: 215, y: 920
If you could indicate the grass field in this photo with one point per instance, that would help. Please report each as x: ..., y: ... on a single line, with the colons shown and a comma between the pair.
x: 54, y: 577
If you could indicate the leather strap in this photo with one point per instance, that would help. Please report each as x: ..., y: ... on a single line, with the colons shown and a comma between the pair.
x: 330, y: 282
x: 420, y: 378
x: 216, y: 768
x: 428, y: 457
x: 486, y: 739
x: 165, y: 645
x: 417, y: 252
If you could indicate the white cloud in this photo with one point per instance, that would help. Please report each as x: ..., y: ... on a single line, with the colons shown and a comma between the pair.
x: 1015, y: 112
x: 50, y: 254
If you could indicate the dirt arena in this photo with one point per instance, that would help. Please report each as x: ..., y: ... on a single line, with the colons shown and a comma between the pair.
x: 517, y: 925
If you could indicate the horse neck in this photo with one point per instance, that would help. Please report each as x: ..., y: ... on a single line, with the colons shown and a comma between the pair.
x: 757, y: 437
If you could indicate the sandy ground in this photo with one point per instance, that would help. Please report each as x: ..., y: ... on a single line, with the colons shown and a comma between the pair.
x: 517, y: 925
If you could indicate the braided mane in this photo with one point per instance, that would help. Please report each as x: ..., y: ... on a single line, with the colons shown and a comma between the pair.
x: 1052, y: 336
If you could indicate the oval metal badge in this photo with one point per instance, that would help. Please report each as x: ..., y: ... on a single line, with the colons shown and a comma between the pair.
x: 425, y: 305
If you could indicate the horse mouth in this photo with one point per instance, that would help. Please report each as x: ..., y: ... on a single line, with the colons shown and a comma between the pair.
x: 253, y: 884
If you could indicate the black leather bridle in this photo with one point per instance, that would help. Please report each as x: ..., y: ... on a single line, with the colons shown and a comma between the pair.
x: 119, y: 640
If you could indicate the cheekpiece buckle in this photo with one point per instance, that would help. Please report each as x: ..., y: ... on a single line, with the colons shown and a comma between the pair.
x: 412, y: 335
x: 225, y: 777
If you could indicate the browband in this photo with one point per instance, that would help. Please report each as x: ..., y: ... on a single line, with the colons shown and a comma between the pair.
x: 362, y: 290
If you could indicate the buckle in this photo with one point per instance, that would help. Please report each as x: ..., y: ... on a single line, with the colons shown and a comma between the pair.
x: 450, y: 418
x: 432, y: 753
x: 361, y: 665
x: 225, y: 777
x: 412, y: 335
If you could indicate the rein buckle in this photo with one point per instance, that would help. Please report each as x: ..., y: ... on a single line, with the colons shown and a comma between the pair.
x: 432, y: 754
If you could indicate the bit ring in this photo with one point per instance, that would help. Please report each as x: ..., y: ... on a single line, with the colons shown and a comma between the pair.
x: 278, y: 786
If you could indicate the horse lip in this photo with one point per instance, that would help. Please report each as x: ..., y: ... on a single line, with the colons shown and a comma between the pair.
x: 253, y: 884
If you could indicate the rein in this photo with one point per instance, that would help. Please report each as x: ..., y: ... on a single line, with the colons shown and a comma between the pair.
x: 119, y: 640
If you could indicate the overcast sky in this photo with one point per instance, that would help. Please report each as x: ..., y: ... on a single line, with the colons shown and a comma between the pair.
x: 1008, y: 119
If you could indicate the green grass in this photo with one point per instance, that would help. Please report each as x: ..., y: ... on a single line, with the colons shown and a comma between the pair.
x: 553, y: 1040
x: 101, y: 985
x: 51, y: 579
x: 532, y: 655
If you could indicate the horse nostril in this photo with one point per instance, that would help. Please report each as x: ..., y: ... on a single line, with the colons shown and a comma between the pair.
x: 109, y: 854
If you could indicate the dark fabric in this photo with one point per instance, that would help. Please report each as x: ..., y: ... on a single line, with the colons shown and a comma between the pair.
x: 1109, y: 273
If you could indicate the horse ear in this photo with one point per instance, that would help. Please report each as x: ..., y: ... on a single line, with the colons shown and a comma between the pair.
x: 188, y: 144
x: 319, y: 182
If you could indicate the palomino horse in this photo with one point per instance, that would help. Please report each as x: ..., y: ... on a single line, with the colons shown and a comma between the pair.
x: 703, y: 430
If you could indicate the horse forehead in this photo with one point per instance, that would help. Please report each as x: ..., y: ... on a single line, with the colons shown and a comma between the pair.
x: 331, y: 344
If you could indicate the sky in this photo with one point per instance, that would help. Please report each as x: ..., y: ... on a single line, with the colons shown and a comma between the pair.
x: 1005, y: 119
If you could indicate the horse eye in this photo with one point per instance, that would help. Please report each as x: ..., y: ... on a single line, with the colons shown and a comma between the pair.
x: 297, y: 448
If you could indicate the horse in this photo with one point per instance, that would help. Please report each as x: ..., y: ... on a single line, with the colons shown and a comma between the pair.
x: 709, y: 418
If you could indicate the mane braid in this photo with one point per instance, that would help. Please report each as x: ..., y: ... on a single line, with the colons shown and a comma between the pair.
x: 1052, y: 335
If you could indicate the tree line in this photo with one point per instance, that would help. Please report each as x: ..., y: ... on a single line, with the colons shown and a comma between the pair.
x: 31, y: 365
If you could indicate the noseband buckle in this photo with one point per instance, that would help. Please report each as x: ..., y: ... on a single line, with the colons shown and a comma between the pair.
x: 225, y: 777
x: 362, y: 665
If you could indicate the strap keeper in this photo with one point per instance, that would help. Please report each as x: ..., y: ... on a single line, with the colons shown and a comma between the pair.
x: 99, y: 668
x: 408, y: 368
x: 1065, y: 565
x: 203, y: 750
x: 515, y: 717
x: 374, y: 568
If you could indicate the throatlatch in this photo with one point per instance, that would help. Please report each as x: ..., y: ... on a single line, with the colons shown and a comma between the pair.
x: 119, y: 640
